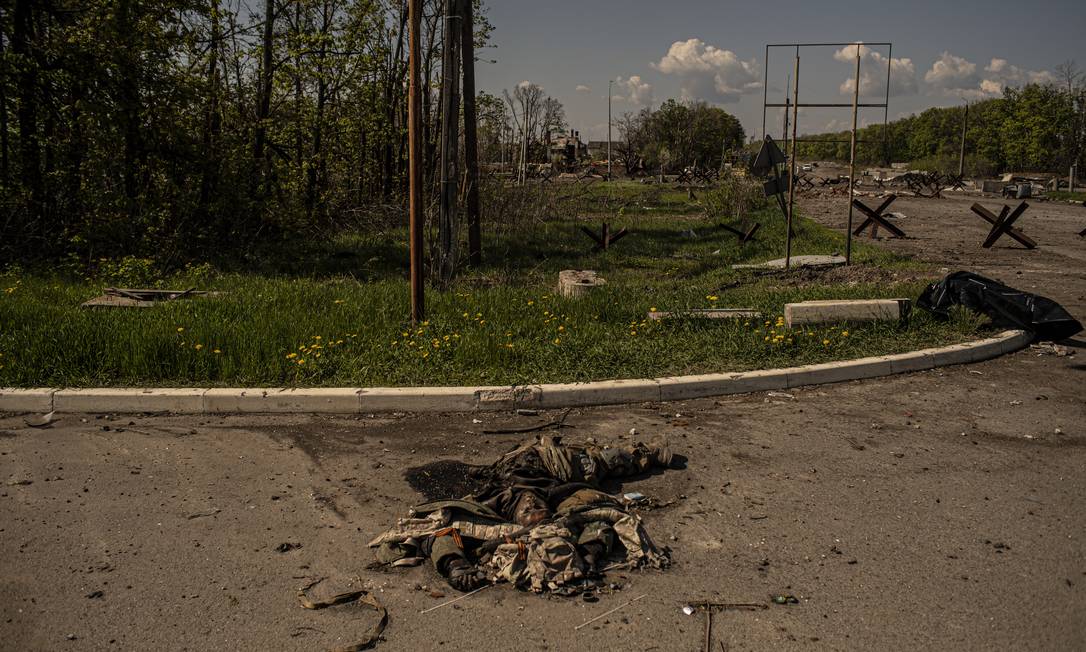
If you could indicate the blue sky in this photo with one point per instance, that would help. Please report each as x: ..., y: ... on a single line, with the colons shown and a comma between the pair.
x: 943, y: 53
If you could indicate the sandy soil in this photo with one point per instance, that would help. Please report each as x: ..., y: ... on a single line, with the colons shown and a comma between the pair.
x: 937, y: 510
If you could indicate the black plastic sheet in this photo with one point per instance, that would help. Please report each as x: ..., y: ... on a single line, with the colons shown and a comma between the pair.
x: 1006, y: 306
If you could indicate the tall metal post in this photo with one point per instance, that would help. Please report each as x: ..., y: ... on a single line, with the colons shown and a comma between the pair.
x: 852, y: 160
x: 609, y: 82
x: 792, y: 169
x: 961, y: 153
x: 414, y: 161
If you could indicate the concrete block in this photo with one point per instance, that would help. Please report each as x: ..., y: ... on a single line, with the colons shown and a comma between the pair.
x: 37, y: 400
x: 1015, y: 340
x: 575, y: 283
x: 834, y: 311
x: 179, y: 400
x: 835, y: 372
x: 681, y: 388
x: 332, y: 400
x: 504, y: 398
x: 605, y: 392
x: 418, y: 399
x: 710, y: 313
x: 914, y: 361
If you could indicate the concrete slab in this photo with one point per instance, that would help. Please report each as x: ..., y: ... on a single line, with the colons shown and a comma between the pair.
x: 836, y: 372
x: 178, y: 400
x: 605, y: 392
x: 35, y: 400
x: 332, y: 400
x: 681, y: 388
x: 852, y: 310
x: 506, y: 398
x: 797, y: 261
x: 707, y: 313
x: 418, y: 399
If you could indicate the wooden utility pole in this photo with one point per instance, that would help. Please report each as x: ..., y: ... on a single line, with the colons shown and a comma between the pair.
x: 792, y: 169
x: 961, y: 154
x: 471, y: 137
x: 414, y: 161
x: 852, y: 159
x: 450, y: 140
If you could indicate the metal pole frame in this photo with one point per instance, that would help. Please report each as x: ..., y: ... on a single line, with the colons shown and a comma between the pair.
x: 855, y: 105
x: 609, y: 82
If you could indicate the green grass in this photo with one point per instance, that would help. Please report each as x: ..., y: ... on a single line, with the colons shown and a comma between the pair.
x: 1063, y: 195
x: 342, y: 306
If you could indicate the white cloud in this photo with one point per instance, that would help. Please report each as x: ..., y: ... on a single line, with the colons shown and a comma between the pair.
x: 581, y: 88
x: 632, y: 90
x: 873, y: 73
x: 708, y: 72
x: 953, y: 75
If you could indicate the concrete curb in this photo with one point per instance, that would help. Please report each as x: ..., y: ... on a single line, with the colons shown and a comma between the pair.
x: 356, y: 400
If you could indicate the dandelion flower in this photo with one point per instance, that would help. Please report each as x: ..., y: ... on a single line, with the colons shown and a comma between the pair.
x: 180, y: 329
x: 652, y: 309
x: 557, y: 341
x: 826, y: 342
x: 844, y: 333
x: 301, y: 360
x: 198, y: 347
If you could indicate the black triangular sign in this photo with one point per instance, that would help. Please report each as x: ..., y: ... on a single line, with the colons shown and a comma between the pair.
x: 768, y: 156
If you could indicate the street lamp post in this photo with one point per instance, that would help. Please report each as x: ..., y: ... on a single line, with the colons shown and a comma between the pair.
x: 609, y: 83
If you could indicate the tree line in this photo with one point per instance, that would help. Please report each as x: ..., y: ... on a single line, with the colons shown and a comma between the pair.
x: 1036, y: 127
x: 175, y: 126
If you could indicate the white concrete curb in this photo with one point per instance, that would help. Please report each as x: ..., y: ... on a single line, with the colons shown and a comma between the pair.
x: 355, y: 400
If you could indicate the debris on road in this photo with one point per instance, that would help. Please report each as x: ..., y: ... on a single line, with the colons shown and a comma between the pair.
x: 608, y: 613
x: 43, y: 421
x: 312, y: 598
x: 536, y: 518
x: 1004, y: 305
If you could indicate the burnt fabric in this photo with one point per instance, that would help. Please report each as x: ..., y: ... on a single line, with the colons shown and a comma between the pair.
x: 1006, y: 306
x: 541, y: 522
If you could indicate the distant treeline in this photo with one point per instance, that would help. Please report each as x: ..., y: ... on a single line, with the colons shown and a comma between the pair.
x: 1036, y: 128
x: 175, y: 128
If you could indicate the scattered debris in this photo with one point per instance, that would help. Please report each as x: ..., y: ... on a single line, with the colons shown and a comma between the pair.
x: 608, y: 613
x: 141, y: 298
x: 43, y: 421
x: 307, y: 596
x: 287, y: 547
x: 456, y: 599
x: 785, y: 599
x: 781, y: 395
x: 536, y: 518
x: 210, y: 512
x: 525, y: 412
x: 94, y: 595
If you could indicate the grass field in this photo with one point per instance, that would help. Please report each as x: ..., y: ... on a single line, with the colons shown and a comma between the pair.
x: 334, y: 313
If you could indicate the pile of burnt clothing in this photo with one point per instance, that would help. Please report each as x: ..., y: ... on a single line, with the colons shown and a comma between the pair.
x: 541, y: 521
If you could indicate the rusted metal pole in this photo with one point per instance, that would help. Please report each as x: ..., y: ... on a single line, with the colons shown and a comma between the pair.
x: 471, y: 138
x: 792, y: 169
x: 852, y: 160
x: 414, y: 161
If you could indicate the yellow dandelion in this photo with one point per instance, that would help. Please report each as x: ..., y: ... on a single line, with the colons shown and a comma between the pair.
x: 531, y: 303
x: 291, y: 356
x: 316, y: 337
x: 557, y: 341
x: 652, y: 309
x: 198, y: 346
x: 561, y: 328
x: 301, y: 360
x: 844, y: 333
x: 180, y: 329
x: 825, y: 342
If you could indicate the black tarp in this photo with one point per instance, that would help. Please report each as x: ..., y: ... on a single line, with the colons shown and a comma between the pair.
x: 1006, y: 306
